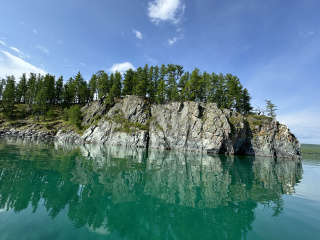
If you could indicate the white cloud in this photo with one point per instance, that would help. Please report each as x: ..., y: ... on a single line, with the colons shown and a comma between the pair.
x: 43, y: 49
x: 174, y: 40
x: 35, y: 31
x: 306, y: 34
x: 121, y: 67
x: 138, y: 34
x: 166, y: 10
x: 15, y: 49
x: 151, y: 59
x: 3, y: 43
x: 12, y: 65
x: 21, y: 54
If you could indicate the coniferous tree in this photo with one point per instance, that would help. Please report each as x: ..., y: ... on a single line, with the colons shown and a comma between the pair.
x: 9, y: 95
x: 142, y: 81
x: 158, y: 84
x: 59, y: 90
x: 193, y: 86
x: 245, y: 106
x: 32, y: 89
x: 69, y: 93
x: 270, y: 109
x: 155, y: 80
x: 183, y: 80
x: 2, y: 84
x: 41, y: 97
x: 116, y: 87
x: 150, y: 82
x: 93, y: 86
x: 161, y: 92
x: 104, y: 84
x: 220, y: 95
x: 163, y: 72
x: 204, y: 87
x: 171, y: 81
x: 22, y: 89
x: 128, y: 82
x: 49, y: 88
x: 212, y: 88
x: 78, y: 86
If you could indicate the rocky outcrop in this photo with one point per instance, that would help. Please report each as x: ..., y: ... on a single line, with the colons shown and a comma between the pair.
x: 190, y: 126
x: 124, y: 124
x: 27, y: 133
x: 183, y: 126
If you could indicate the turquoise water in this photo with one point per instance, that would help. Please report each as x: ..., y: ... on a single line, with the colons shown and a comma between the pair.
x: 51, y: 191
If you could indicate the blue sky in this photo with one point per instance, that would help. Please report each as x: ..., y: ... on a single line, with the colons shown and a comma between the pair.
x: 273, y: 46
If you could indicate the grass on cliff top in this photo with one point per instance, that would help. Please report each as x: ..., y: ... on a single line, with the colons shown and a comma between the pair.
x: 24, y: 117
x: 258, y: 119
x: 310, y: 149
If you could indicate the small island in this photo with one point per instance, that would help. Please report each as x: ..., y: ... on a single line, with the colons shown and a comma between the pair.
x: 151, y: 107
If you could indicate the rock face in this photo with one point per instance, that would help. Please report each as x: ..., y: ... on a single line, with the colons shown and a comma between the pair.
x: 189, y: 126
x: 184, y: 126
x: 124, y: 124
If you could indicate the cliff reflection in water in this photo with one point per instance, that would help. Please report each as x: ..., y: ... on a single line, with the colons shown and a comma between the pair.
x: 144, y: 195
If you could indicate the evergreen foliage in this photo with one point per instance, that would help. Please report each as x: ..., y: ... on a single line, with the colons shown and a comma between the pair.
x: 270, y: 109
x: 157, y: 84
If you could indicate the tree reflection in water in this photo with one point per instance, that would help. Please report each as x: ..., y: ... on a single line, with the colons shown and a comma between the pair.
x: 144, y: 194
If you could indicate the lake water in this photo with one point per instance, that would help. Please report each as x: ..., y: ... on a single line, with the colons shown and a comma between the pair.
x: 51, y: 191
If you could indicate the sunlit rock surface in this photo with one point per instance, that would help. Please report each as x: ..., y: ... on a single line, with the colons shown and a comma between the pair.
x: 189, y: 126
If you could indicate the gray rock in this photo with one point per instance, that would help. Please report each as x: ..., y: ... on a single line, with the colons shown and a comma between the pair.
x: 184, y: 126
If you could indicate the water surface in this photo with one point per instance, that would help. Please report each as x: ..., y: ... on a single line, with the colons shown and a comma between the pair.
x: 52, y: 191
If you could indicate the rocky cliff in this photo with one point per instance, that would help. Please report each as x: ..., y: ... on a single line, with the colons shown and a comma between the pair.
x: 183, y: 126
x: 186, y: 126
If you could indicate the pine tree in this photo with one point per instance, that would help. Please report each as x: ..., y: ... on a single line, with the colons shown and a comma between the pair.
x: 32, y: 89
x: 212, y: 85
x: 171, y: 81
x: 49, y: 88
x: 193, y: 86
x: 69, y: 93
x: 59, y: 90
x: 41, y: 97
x: 270, y: 109
x: 104, y: 84
x: 245, y: 105
x: 183, y: 81
x: 150, y: 83
x: 128, y: 82
x: 220, y: 96
x: 155, y: 79
x: 2, y: 84
x: 9, y: 95
x: 142, y: 82
x: 22, y: 89
x: 116, y: 87
x: 161, y: 92
x: 93, y: 86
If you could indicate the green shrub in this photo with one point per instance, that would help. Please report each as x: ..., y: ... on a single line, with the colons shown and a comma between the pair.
x: 50, y: 113
x: 75, y: 116
x: 65, y: 115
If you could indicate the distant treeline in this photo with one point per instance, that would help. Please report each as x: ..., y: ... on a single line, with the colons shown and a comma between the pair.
x: 158, y: 84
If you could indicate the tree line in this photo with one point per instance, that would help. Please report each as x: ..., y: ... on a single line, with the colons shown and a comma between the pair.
x: 157, y: 84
